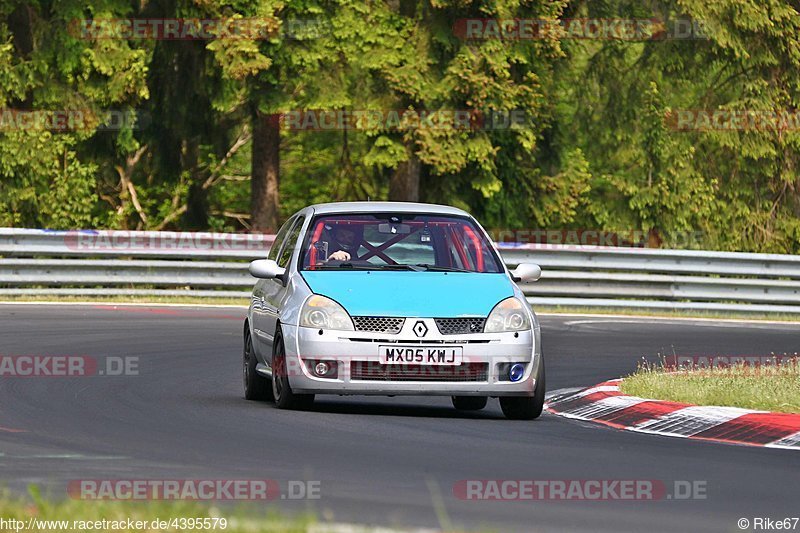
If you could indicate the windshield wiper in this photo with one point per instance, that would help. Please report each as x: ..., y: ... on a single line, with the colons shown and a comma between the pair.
x: 436, y: 268
x: 347, y: 265
x: 344, y: 265
x: 420, y: 267
x: 415, y: 268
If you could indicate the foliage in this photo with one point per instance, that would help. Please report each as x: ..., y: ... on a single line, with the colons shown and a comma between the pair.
x: 596, y: 146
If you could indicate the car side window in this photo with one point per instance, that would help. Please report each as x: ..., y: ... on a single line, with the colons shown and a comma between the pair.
x: 279, y: 238
x: 291, y: 243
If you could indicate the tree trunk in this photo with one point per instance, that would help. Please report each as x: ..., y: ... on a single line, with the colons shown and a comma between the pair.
x: 195, y: 217
x: 404, y: 183
x: 654, y: 239
x: 264, y: 197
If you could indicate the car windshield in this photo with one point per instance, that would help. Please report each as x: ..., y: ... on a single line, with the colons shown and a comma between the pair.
x: 402, y: 241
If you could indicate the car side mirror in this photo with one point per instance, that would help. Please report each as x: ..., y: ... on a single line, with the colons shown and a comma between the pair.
x: 266, y: 269
x: 526, y: 272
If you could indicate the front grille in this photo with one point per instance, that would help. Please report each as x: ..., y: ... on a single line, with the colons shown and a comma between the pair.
x: 459, y: 326
x: 375, y: 371
x: 379, y: 324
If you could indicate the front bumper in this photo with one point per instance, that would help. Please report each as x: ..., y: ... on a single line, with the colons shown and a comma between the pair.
x: 351, y: 350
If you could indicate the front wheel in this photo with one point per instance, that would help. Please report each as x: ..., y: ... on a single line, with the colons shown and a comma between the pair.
x: 526, y: 407
x: 469, y: 403
x: 281, y: 389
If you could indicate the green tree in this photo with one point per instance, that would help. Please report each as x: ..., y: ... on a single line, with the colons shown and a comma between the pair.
x: 48, y: 171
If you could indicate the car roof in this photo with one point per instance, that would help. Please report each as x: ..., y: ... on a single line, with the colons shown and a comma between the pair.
x: 385, y: 207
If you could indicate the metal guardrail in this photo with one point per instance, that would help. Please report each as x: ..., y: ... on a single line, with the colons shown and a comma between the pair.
x: 41, y: 262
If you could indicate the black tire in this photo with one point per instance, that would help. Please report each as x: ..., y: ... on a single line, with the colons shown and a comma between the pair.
x: 256, y: 386
x: 281, y: 389
x: 469, y: 403
x: 526, y: 407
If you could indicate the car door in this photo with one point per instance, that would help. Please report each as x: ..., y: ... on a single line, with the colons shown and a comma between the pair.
x: 275, y: 289
x: 260, y: 311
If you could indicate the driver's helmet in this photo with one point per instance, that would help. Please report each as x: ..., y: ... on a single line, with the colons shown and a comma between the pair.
x: 346, y: 237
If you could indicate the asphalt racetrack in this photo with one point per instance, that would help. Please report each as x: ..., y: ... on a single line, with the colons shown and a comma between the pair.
x: 387, y: 461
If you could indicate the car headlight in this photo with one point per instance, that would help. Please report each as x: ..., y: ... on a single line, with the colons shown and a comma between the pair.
x: 323, y: 313
x: 508, y: 315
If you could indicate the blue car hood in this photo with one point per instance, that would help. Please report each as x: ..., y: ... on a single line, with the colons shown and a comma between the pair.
x: 412, y: 294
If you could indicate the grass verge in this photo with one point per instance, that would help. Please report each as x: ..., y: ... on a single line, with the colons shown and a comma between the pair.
x: 668, y: 313
x: 768, y: 388
x: 155, y: 300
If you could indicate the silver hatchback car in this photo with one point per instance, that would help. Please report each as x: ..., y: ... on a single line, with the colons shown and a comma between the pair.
x: 384, y: 298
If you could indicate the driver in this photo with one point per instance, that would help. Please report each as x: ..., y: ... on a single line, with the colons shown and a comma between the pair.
x: 346, y: 240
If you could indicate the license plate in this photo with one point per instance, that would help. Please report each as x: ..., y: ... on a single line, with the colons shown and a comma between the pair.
x: 421, y: 355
